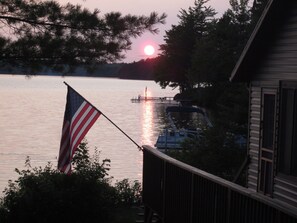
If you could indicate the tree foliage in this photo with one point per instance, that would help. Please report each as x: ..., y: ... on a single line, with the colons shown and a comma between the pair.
x: 257, y: 9
x: 202, y: 50
x: 200, y: 61
x: 202, y: 71
x: 46, y: 195
x: 216, y: 153
x: 175, y: 58
x: 140, y: 70
x: 36, y: 33
x: 216, y: 54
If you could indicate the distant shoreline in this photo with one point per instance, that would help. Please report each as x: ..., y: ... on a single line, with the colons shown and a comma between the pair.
x: 141, y: 70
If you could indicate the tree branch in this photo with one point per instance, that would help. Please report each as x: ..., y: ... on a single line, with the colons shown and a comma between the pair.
x: 32, y: 22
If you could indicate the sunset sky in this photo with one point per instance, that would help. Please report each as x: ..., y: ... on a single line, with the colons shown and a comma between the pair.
x: 145, y: 7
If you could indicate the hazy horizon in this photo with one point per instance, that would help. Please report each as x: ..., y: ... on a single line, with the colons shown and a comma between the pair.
x: 136, y: 7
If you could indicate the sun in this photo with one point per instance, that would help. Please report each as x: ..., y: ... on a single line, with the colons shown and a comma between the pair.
x: 149, y: 50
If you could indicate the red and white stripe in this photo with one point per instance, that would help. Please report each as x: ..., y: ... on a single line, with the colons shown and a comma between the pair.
x: 74, y: 132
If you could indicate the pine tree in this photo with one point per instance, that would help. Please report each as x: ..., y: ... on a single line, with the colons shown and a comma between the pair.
x: 37, y: 33
x: 180, y: 40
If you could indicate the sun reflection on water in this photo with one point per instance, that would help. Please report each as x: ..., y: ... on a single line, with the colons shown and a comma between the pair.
x: 147, y: 123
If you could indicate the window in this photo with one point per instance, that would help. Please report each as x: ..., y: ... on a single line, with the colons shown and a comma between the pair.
x: 288, y: 129
x: 268, y: 121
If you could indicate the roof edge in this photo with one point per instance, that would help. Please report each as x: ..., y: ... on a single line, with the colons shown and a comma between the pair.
x: 234, y: 75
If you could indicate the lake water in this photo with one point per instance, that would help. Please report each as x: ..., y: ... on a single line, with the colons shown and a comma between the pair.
x: 32, y: 111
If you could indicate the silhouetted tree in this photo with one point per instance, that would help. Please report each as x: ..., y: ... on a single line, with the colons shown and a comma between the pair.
x: 176, y: 53
x: 213, y: 58
x: 215, y: 54
x: 257, y: 10
x: 140, y: 70
x: 36, y: 33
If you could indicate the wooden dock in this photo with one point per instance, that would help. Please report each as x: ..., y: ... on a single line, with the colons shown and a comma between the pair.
x: 154, y: 99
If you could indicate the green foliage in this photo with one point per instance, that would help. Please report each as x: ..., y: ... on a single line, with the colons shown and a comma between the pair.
x: 176, y: 53
x: 216, y: 152
x: 209, y: 63
x: 216, y: 54
x: 128, y: 192
x: 202, y: 50
x: 46, y: 195
x: 231, y: 106
x: 45, y: 33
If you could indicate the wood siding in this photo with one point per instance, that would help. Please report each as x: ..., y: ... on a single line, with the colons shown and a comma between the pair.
x: 285, y: 191
x: 254, y: 137
x: 280, y: 62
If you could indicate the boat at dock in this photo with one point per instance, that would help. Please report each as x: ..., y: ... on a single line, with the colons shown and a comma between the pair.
x: 172, y: 138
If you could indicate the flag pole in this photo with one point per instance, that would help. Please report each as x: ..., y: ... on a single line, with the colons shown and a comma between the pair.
x: 139, y: 147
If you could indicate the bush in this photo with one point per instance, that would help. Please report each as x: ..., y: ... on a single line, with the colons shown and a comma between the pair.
x: 46, y: 195
x: 128, y: 193
x: 215, y: 152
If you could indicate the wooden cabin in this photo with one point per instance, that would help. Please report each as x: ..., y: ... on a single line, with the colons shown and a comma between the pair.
x: 269, y: 65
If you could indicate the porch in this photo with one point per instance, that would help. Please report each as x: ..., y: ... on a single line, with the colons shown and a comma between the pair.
x: 177, y: 192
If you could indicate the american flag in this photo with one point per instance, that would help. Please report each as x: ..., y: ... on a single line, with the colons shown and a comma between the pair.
x: 79, y: 117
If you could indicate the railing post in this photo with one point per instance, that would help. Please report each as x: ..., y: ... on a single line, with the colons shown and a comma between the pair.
x: 164, y: 190
x: 148, y: 215
x: 228, y: 215
x: 192, y: 198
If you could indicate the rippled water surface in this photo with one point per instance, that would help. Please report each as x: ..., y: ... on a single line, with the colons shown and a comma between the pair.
x: 31, y: 116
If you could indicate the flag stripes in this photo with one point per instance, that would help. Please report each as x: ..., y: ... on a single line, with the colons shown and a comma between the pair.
x: 84, y: 122
x: 64, y: 156
x: 79, y: 117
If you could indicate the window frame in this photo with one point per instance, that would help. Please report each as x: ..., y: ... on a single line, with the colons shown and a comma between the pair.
x: 286, y: 85
x: 266, y: 165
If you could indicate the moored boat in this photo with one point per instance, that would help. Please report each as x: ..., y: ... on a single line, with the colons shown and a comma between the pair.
x: 172, y: 138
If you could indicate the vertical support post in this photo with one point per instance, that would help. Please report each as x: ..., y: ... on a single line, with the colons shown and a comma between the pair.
x: 164, y: 192
x: 166, y: 133
x: 228, y: 206
x: 148, y: 215
x: 192, y: 198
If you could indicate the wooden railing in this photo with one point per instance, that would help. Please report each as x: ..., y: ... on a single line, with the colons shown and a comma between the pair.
x: 179, y: 193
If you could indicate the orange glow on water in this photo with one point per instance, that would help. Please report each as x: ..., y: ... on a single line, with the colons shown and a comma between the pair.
x: 147, y: 123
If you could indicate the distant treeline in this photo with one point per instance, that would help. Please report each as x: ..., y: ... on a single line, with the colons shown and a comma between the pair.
x: 141, y: 70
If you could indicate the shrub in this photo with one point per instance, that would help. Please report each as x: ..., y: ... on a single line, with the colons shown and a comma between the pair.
x: 215, y: 152
x: 128, y: 193
x: 46, y: 195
